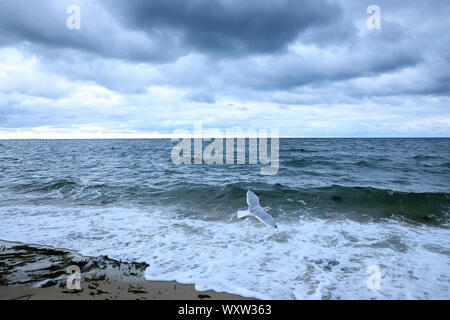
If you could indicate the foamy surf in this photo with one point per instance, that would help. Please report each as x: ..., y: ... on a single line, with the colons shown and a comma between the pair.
x: 306, y: 258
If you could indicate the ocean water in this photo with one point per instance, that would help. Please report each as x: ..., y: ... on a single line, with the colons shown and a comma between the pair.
x: 341, y: 205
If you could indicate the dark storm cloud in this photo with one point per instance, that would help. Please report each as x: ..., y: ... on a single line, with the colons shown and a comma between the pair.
x: 228, y: 27
x: 43, y: 24
x: 292, y: 72
x: 161, y: 30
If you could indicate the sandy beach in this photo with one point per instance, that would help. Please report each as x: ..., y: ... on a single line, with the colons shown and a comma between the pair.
x: 31, y: 272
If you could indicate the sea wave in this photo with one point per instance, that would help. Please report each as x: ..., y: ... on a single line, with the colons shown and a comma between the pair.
x: 306, y: 258
x: 349, y: 201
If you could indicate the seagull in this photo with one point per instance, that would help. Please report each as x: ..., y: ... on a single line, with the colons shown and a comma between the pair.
x: 257, y: 211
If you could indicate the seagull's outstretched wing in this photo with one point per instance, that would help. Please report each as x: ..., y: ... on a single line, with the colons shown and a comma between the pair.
x: 255, y: 209
x: 252, y: 200
x: 263, y: 216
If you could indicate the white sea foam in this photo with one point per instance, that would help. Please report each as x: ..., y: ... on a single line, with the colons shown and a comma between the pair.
x: 310, y: 259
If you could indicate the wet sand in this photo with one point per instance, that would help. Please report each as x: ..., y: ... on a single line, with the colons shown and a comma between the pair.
x: 31, y: 272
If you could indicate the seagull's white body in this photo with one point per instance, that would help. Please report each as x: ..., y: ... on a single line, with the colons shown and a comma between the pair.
x: 256, y: 210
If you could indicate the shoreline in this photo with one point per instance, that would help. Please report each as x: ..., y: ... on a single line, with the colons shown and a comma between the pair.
x: 35, y: 272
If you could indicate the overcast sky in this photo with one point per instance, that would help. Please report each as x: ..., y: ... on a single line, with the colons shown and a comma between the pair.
x: 141, y: 67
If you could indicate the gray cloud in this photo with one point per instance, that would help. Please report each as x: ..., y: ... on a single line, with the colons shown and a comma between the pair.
x: 228, y: 27
x: 42, y: 23
x: 161, y: 31
x: 202, y: 97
